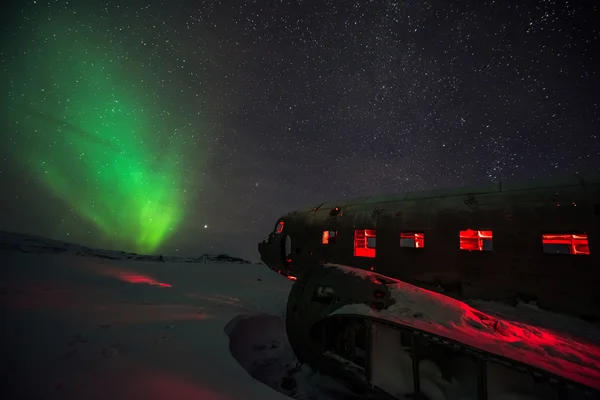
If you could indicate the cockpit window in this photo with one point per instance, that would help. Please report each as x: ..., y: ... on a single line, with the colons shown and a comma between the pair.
x: 279, y: 227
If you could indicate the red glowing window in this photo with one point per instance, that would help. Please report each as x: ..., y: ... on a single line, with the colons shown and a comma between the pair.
x: 279, y: 227
x: 414, y: 240
x: 471, y: 240
x: 329, y: 237
x: 365, y: 243
x: 565, y: 243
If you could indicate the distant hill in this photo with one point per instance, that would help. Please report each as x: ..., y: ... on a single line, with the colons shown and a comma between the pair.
x: 25, y: 243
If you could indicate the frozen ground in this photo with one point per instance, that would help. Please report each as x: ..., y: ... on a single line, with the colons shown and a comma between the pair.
x: 79, y: 323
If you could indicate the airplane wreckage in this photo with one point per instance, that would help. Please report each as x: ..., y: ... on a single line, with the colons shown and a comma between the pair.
x: 400, y: 282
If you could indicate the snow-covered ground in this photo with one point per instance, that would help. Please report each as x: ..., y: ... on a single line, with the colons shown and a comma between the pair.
x: 80, y: 323
x: 89, y: 327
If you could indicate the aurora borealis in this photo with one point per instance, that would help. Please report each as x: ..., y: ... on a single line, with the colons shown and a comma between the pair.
x: 134, y: 124
x: 104, y: 161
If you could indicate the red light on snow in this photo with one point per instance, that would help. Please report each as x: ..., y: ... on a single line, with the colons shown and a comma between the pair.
x: 364, y: 243
x: 279, y: 227
x: 126, y: 275
x: 575, y: 243
x: 471, y: 240
x: 143, y: 279
x: 557, y: 353
x: 292, y: 278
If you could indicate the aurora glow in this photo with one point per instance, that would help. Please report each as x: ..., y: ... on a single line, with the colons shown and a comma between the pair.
x: 105, y: 159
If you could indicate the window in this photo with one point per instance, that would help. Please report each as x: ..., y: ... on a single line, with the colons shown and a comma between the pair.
x: 365, y: 243
x: 287, y: 250
x: 329, y: 237
x: 414, y: 240
x: 565, y: 243
x: 471, y: 240
x: 279, y: 227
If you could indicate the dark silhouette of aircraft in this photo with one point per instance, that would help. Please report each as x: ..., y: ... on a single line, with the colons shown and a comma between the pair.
x: 506, y: 242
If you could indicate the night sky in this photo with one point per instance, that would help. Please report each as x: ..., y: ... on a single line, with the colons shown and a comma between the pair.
x: 184, y: 127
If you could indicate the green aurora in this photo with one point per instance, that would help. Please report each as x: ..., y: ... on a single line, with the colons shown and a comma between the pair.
x: 85, y: 130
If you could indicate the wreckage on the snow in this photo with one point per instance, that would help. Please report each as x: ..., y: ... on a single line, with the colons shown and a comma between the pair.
x: 506, y: 242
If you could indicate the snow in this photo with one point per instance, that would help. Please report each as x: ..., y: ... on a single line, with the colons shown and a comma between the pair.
x: 393, y: 373
x: 76, y: 327
x: 83, y: 323
x: 529, y: 313
x: 576, y: 357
